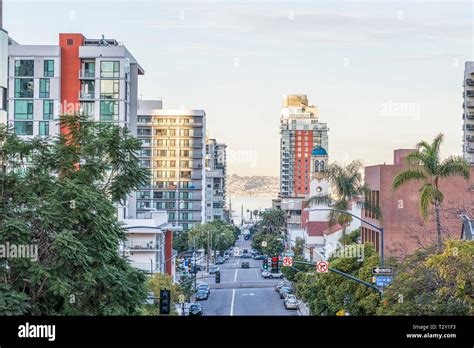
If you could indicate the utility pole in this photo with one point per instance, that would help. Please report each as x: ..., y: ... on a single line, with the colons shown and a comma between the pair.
x: 194, y: 256
x: 208, y: 248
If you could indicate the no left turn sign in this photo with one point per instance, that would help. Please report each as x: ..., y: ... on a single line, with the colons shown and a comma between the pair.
x: 322, y: 267
x: 288, y: 261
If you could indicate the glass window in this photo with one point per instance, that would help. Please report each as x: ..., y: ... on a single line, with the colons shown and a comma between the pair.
x: 24, y: 67
x: 87, y: 108
x: 23, y: 88
x: 44, y: 88
x: 43, y: 128
x: 87, y: 89
x: 48, y: 68
x: 23, y: 128
x: 109, y: 110
x: 3, y: 98
x: 89, y: 69
x: 109, y: 89
x: 48, y: 109
x: 109, y: 69
x: 23, y: 109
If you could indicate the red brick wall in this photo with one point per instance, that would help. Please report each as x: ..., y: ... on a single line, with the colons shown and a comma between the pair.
x: 405, y: 230
x: 168, y: 252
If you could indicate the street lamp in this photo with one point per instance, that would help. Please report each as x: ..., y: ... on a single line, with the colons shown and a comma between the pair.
x: 380, y: 229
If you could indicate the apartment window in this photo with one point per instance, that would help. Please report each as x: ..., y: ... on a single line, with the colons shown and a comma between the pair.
x: 109, y: 110
x: 88, y: 108
x: 23, y: 109
x: 87, y: 89
x: 23, y: 88
x: 43, y: 128
x: 24, y: 67
x: 69, y: 42
x: 23, y: 128
x: 48, y: 68
x: 48, y: 109
x: 89, y: 69
x: 109, y: 89
x: 109, y: 69
x: 3, y: 98
x: 44, y: 88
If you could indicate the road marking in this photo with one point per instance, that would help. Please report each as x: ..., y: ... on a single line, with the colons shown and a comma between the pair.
x: 235, y: 275
x: 232, y: 303
x: 256, y: 270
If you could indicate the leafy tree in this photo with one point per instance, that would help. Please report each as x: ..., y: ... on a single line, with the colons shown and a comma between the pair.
x: 298, y: 248
x: 291, y: 273
x: 61, y: 196
x: 158, y: 282
x: 347, y: 187
x: 351, y: 238
x: 218, y: 235
x: 274, y: 243
x: 428, y: 169
x: 430, y: 283
x: 181, y: 242
x: 272, y: 221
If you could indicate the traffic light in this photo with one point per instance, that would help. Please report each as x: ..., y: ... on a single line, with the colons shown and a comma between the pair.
x: 165, y: 299
x: 218, y: 277
x: 265, y: 263
x: 275, y: 264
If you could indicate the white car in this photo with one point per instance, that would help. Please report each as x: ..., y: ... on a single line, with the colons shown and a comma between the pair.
x: 291, y: 302
x: 266, y: 274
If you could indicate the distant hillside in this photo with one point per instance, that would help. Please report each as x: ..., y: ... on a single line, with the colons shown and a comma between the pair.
x: 253, y: 185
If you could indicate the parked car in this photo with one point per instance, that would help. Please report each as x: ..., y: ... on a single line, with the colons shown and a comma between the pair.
x: 214, y: 269
x: 291, y: 302
x: 195, y: 309
x: 226, y: 257
x: 267, y: 274
x: 202, y: 295
x: 220, y: 260
x: 259, y: 257
x: 285, y: 290
x: 245, y: 256
x: 280, y: 285
x: 245, y: 264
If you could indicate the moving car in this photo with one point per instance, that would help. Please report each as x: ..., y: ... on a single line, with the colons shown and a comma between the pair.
x: 202, y: 295
x: 220, y: 260
x: 204, y: 287
x: 291, y: 302
x: 195, y: 309
x: 259, y: 257
x: 245, y: 264
x: 214, y: 269
x: 266, y: 274
x: 245, y: 256
x: 280, y: 285
x: 226, y: 257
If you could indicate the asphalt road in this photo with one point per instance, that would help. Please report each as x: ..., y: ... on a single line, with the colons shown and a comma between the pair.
x: 243, y: 291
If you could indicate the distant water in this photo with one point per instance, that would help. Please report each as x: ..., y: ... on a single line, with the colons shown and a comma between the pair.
x: 249, y: 202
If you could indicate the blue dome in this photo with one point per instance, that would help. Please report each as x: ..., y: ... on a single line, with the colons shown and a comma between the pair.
x: 319, y: 151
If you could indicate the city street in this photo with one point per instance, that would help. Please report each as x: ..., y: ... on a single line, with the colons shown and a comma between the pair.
x: 243, y: 291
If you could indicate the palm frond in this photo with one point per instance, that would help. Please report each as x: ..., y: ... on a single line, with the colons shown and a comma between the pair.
x: 454, y: 166
x: 414, y: 174
x: 323, y: 199
x: 429, y: 195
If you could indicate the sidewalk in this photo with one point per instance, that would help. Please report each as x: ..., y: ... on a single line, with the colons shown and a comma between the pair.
x: 303, y: 309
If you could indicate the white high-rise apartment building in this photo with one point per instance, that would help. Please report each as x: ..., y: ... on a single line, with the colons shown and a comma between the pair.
x: 216, y: 171
x: 468, y: 115
x: 3, y: 69
x: 174, y: 149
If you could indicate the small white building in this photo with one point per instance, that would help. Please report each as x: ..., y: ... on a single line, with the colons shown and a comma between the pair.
x: 149, y: 243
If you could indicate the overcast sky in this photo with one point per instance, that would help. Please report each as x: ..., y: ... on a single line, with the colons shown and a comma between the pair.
x: 384, y: 76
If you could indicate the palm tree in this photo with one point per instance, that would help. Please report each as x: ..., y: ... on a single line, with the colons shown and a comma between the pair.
x: 272, y: 221
x: 430, y: 170
x: 347, y: 187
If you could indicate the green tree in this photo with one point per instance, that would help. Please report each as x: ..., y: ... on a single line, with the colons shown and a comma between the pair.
x: 428, y: 169
x: 430, y: 283
x: 347, y: 187
x: 291, y: 273
x: 181, y: 242
x: 274, y: 243
x: 272, y: 221
x: 158, y: 282
x: 61, y: 196
x: 215, y: 235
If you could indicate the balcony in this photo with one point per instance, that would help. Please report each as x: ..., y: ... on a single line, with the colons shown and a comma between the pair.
x: 470, y: 127
x: 470, y: 104
x: 86, y: 95
x: 140, y: 246
x: 470, y: 138
x: 469, y: 82
x: 470, y: 149
x: 470, y: 115
x: 86, y: 74
x: 470, y: 93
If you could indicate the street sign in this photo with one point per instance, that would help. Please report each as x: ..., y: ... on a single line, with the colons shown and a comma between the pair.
x: 288, y: 261
x: 186, y: 263
x: 181, y: 298
x: 264, y: 244
x: 382, y: 280
x: 322, y: 267
x: 382, y: 270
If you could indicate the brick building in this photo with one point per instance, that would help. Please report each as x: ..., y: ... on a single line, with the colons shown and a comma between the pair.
x: 404, y: 228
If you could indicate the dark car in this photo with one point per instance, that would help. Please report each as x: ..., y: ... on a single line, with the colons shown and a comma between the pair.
x: 245, y: 264
x: 285, y: 290
x: 245, y: 256
x: 202, y: 295
x: 195, y: 309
